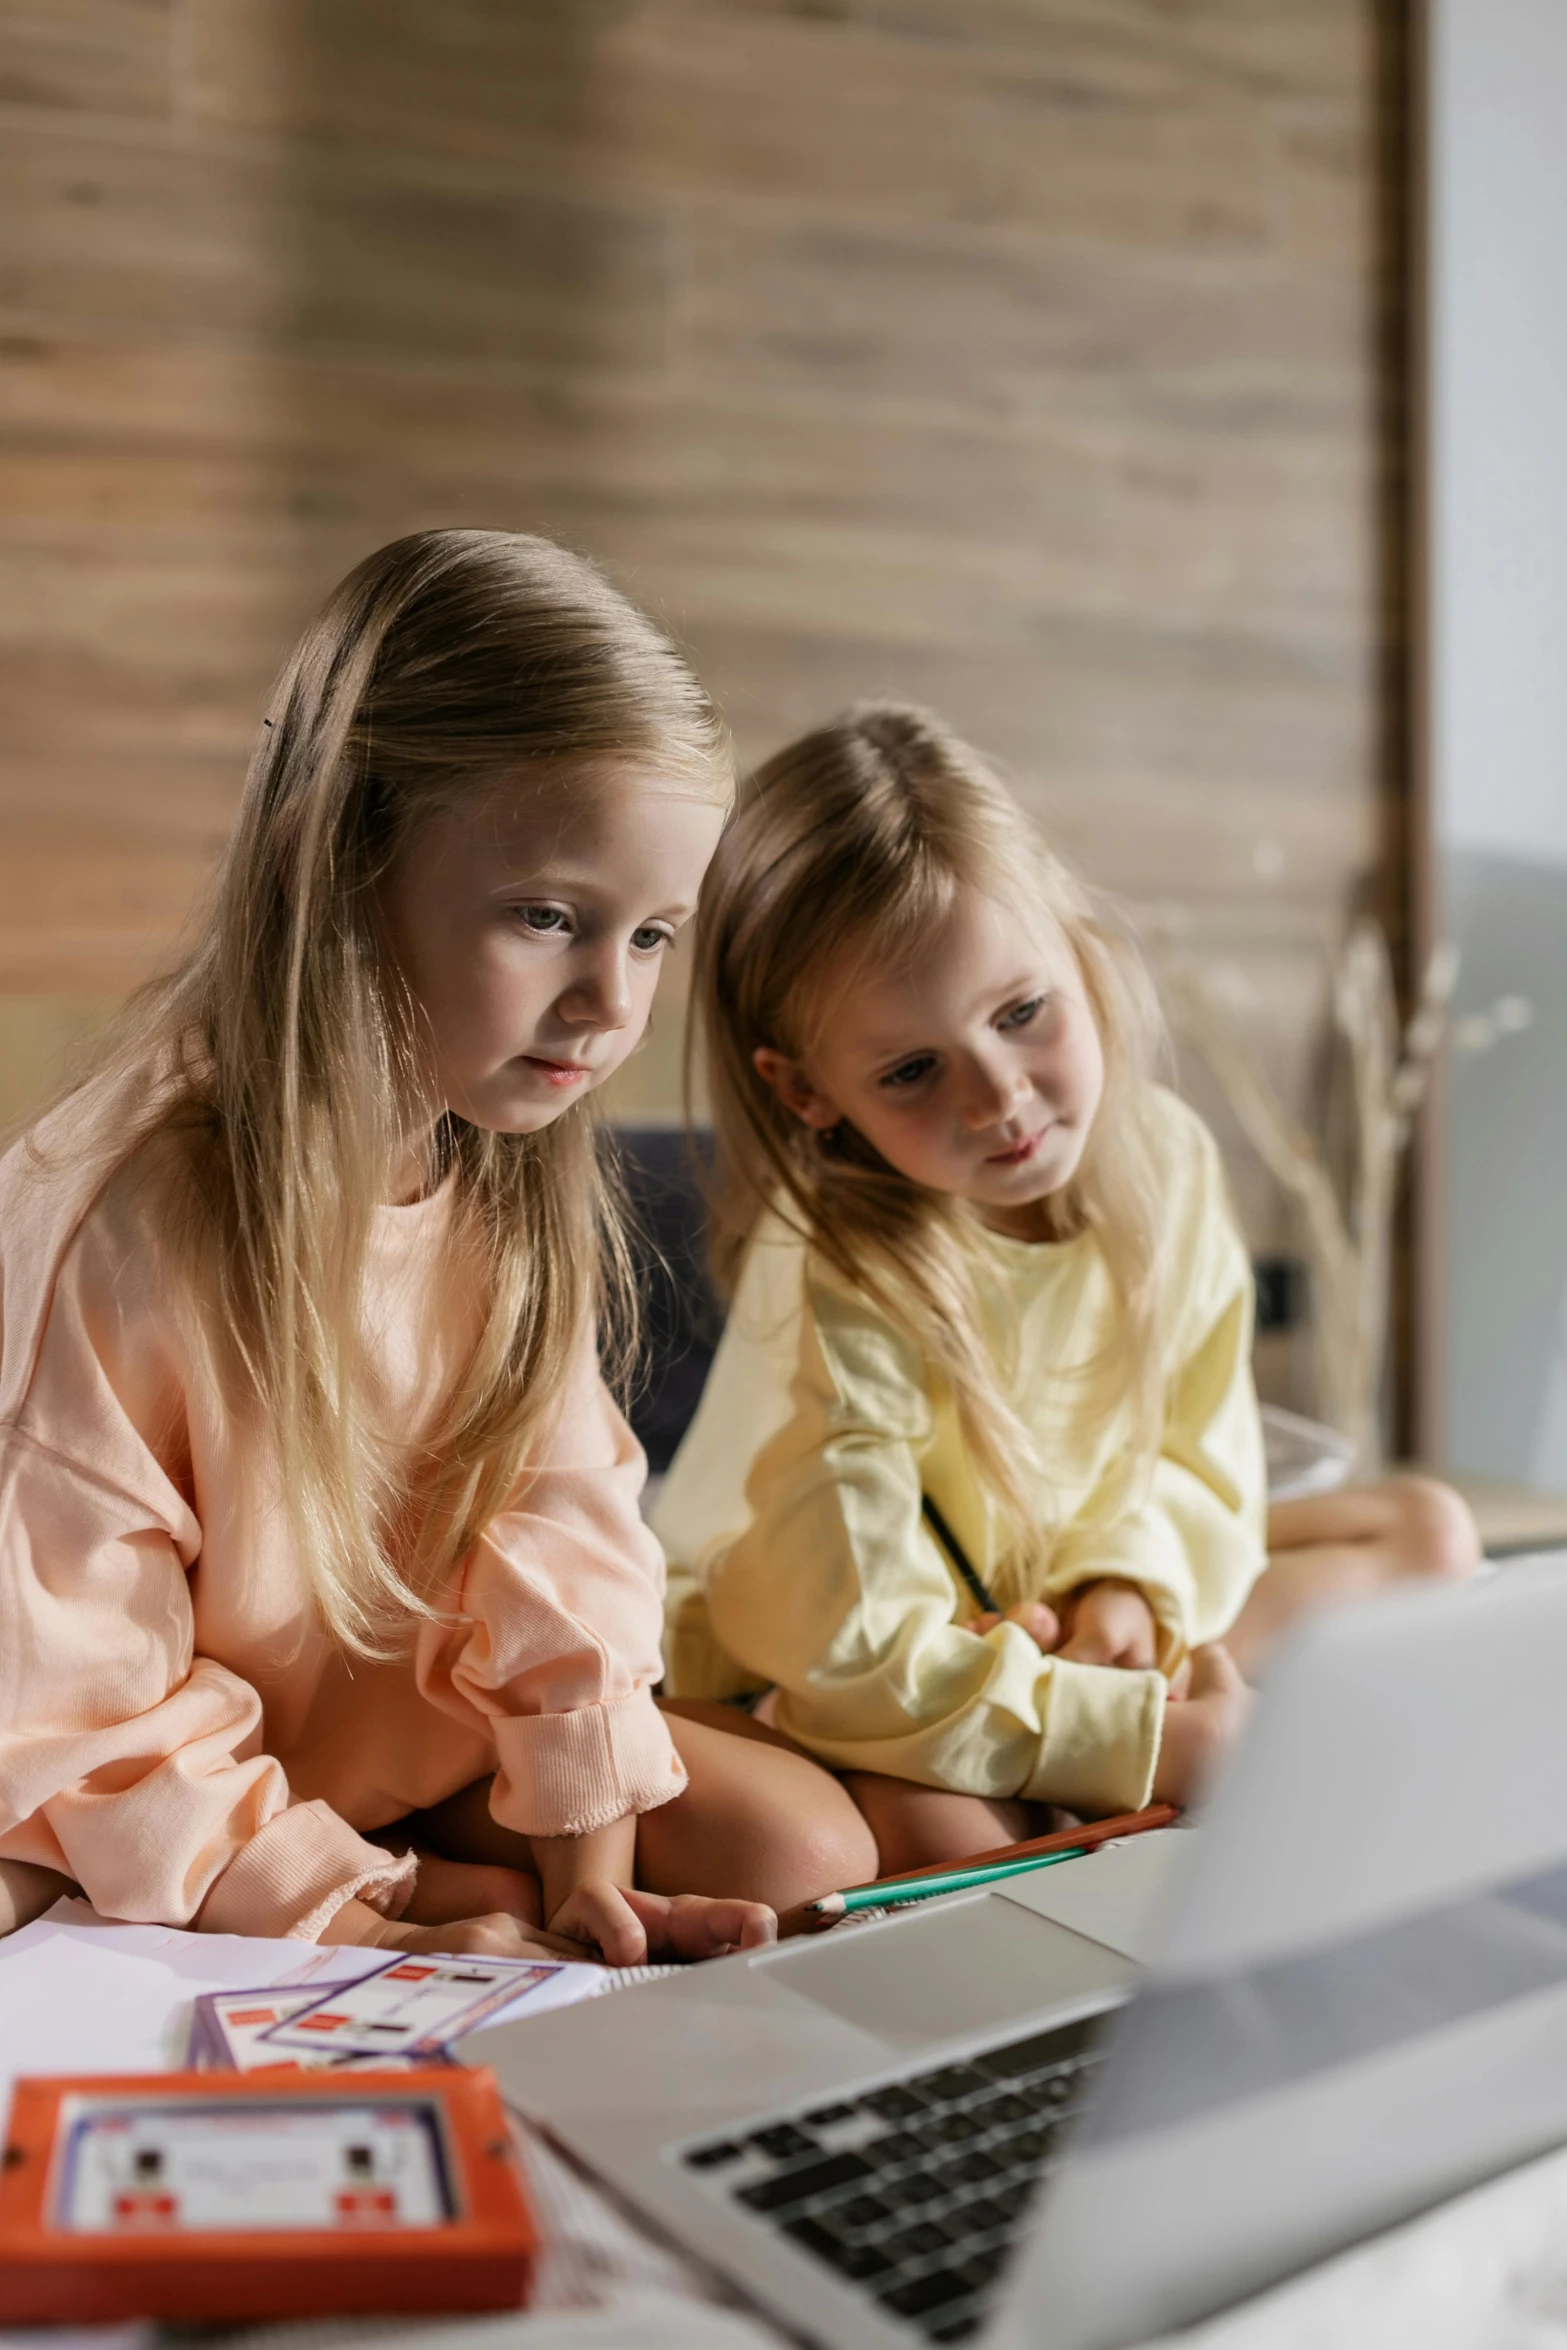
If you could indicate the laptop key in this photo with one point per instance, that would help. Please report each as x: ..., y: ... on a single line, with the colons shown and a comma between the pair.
x: 955, y: 2329
x: 919, y: 2187
x: 822, y: 2117
x: 982, y: 2217
x: 892, y: 2104
x: 710, y: 2157
x: 917, y: 2242
x: 897, y: 2146
x: 1037, y: 2054
x: 952, y: 2082
x: 861, y: 2262
x: 1014, y: 2196
x: 1049, y: 2095
x: 992, y: 2112
x: 797, y: 2186
x: 952, y: 2129
x: 931, y: 2291
x: 973, y: 2169
x: 861, y: 2211
x: 783, y: 2142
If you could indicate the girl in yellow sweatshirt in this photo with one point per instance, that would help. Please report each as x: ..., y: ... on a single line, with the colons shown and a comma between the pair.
x: 990, y: 1329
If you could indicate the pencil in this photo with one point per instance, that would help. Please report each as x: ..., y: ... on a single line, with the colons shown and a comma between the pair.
x: 832, y: 1906
x: 978, y: 1589
x: 807, y: 1918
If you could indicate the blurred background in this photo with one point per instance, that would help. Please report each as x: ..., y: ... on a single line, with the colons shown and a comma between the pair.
x: 1059, y: 363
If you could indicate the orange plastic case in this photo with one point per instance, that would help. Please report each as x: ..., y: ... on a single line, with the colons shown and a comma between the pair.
x: 104, y: 2181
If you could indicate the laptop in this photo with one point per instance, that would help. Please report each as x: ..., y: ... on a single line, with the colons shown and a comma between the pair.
x: 1081, y: 2107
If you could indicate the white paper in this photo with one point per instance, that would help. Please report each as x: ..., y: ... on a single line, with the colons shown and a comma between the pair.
x: 78, y: 1995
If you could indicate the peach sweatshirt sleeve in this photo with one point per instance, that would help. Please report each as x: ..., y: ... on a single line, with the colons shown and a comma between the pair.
x: 563, y: 1601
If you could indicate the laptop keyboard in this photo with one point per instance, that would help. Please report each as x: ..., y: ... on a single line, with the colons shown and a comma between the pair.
x: 915, y: 2191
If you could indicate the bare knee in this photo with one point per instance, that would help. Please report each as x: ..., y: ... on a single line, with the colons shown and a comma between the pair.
x: 920, y: 1827
x: 759, y: 1821
x: 1432, y: 1528
x: 821, y: 1853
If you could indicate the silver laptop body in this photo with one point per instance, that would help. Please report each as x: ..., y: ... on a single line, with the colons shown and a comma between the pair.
x: 1353, y: 2002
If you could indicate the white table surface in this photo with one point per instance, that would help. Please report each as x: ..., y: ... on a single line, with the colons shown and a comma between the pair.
x: 1486, y: 2272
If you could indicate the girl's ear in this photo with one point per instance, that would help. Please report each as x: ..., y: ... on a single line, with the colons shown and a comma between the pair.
x: 794, y: 1089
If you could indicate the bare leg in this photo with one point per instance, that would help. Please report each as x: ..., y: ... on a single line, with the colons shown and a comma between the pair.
x: 1334, y: 1547
x: 447, y: 1889
x: 758, y: 1821
x: 914, y: 1827
x: 917, y: 1827
x: 27, y: 1891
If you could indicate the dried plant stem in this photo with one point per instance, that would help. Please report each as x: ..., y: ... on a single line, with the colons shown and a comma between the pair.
x: 1349, y: 1240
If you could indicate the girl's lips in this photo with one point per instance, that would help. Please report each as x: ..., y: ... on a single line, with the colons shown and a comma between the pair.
x: 558, y: 1072
x: 1019, y: 1152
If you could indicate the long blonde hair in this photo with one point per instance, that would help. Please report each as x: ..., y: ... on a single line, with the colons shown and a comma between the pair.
x: 849, y: 846
x: 280, y: 1059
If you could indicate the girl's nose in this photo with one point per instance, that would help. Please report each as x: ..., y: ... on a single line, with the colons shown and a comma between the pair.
x: 991, y: 1094
x: 599, y: 995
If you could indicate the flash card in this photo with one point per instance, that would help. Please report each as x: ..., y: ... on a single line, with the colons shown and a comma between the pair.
x: 228, y: 2027
x: 410, y: 2006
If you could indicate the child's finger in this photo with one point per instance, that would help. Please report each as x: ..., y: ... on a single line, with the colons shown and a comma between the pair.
x: 603, y: 1916
x: 1097, y: 1638
x: 691, y: 1926
x: 1040, y: 1622
x: 1112, y: 1626
x: 1088, y: 1646
x: 700, y: 1928
x: 1215, y: 1673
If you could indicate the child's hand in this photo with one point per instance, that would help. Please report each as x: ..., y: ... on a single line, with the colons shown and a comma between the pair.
x: 1200, y: 1728
x: 1041, y: 1623
x: 497, y: 1936
x: 627, y: 1928
x: 1110, y: 1623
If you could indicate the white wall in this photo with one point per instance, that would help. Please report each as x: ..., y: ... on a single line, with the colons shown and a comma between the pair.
x: 1498, y: 227
x: 1497, y: 618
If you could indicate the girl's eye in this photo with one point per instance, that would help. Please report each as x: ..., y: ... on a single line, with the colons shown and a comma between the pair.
x: 650, y: 938
x: 547, y: 921
x: 907, y: 1073
x: 1021, y: 1014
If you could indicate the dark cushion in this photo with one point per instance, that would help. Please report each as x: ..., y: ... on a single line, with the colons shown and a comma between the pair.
x: 682, y: 1318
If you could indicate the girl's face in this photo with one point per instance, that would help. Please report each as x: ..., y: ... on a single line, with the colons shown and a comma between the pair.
x: 976, y: 1071
x: 530, y: 927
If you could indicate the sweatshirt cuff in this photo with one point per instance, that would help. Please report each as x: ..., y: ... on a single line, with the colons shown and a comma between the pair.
x: 565, y: 1774
x: 1101, y: 1739
x: 293, y: 1877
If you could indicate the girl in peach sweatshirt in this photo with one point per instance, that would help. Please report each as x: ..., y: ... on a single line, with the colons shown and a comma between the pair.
x: 325, y: 1604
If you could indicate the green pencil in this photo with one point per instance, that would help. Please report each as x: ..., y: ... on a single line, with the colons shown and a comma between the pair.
x: 842, y: 1905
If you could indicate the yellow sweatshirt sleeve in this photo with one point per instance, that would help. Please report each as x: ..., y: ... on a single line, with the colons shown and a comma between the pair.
x: 835, y: 1591
x: 1197, y: 1541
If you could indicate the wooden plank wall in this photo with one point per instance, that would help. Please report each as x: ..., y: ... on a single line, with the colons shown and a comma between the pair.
x: 1025, y: 356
